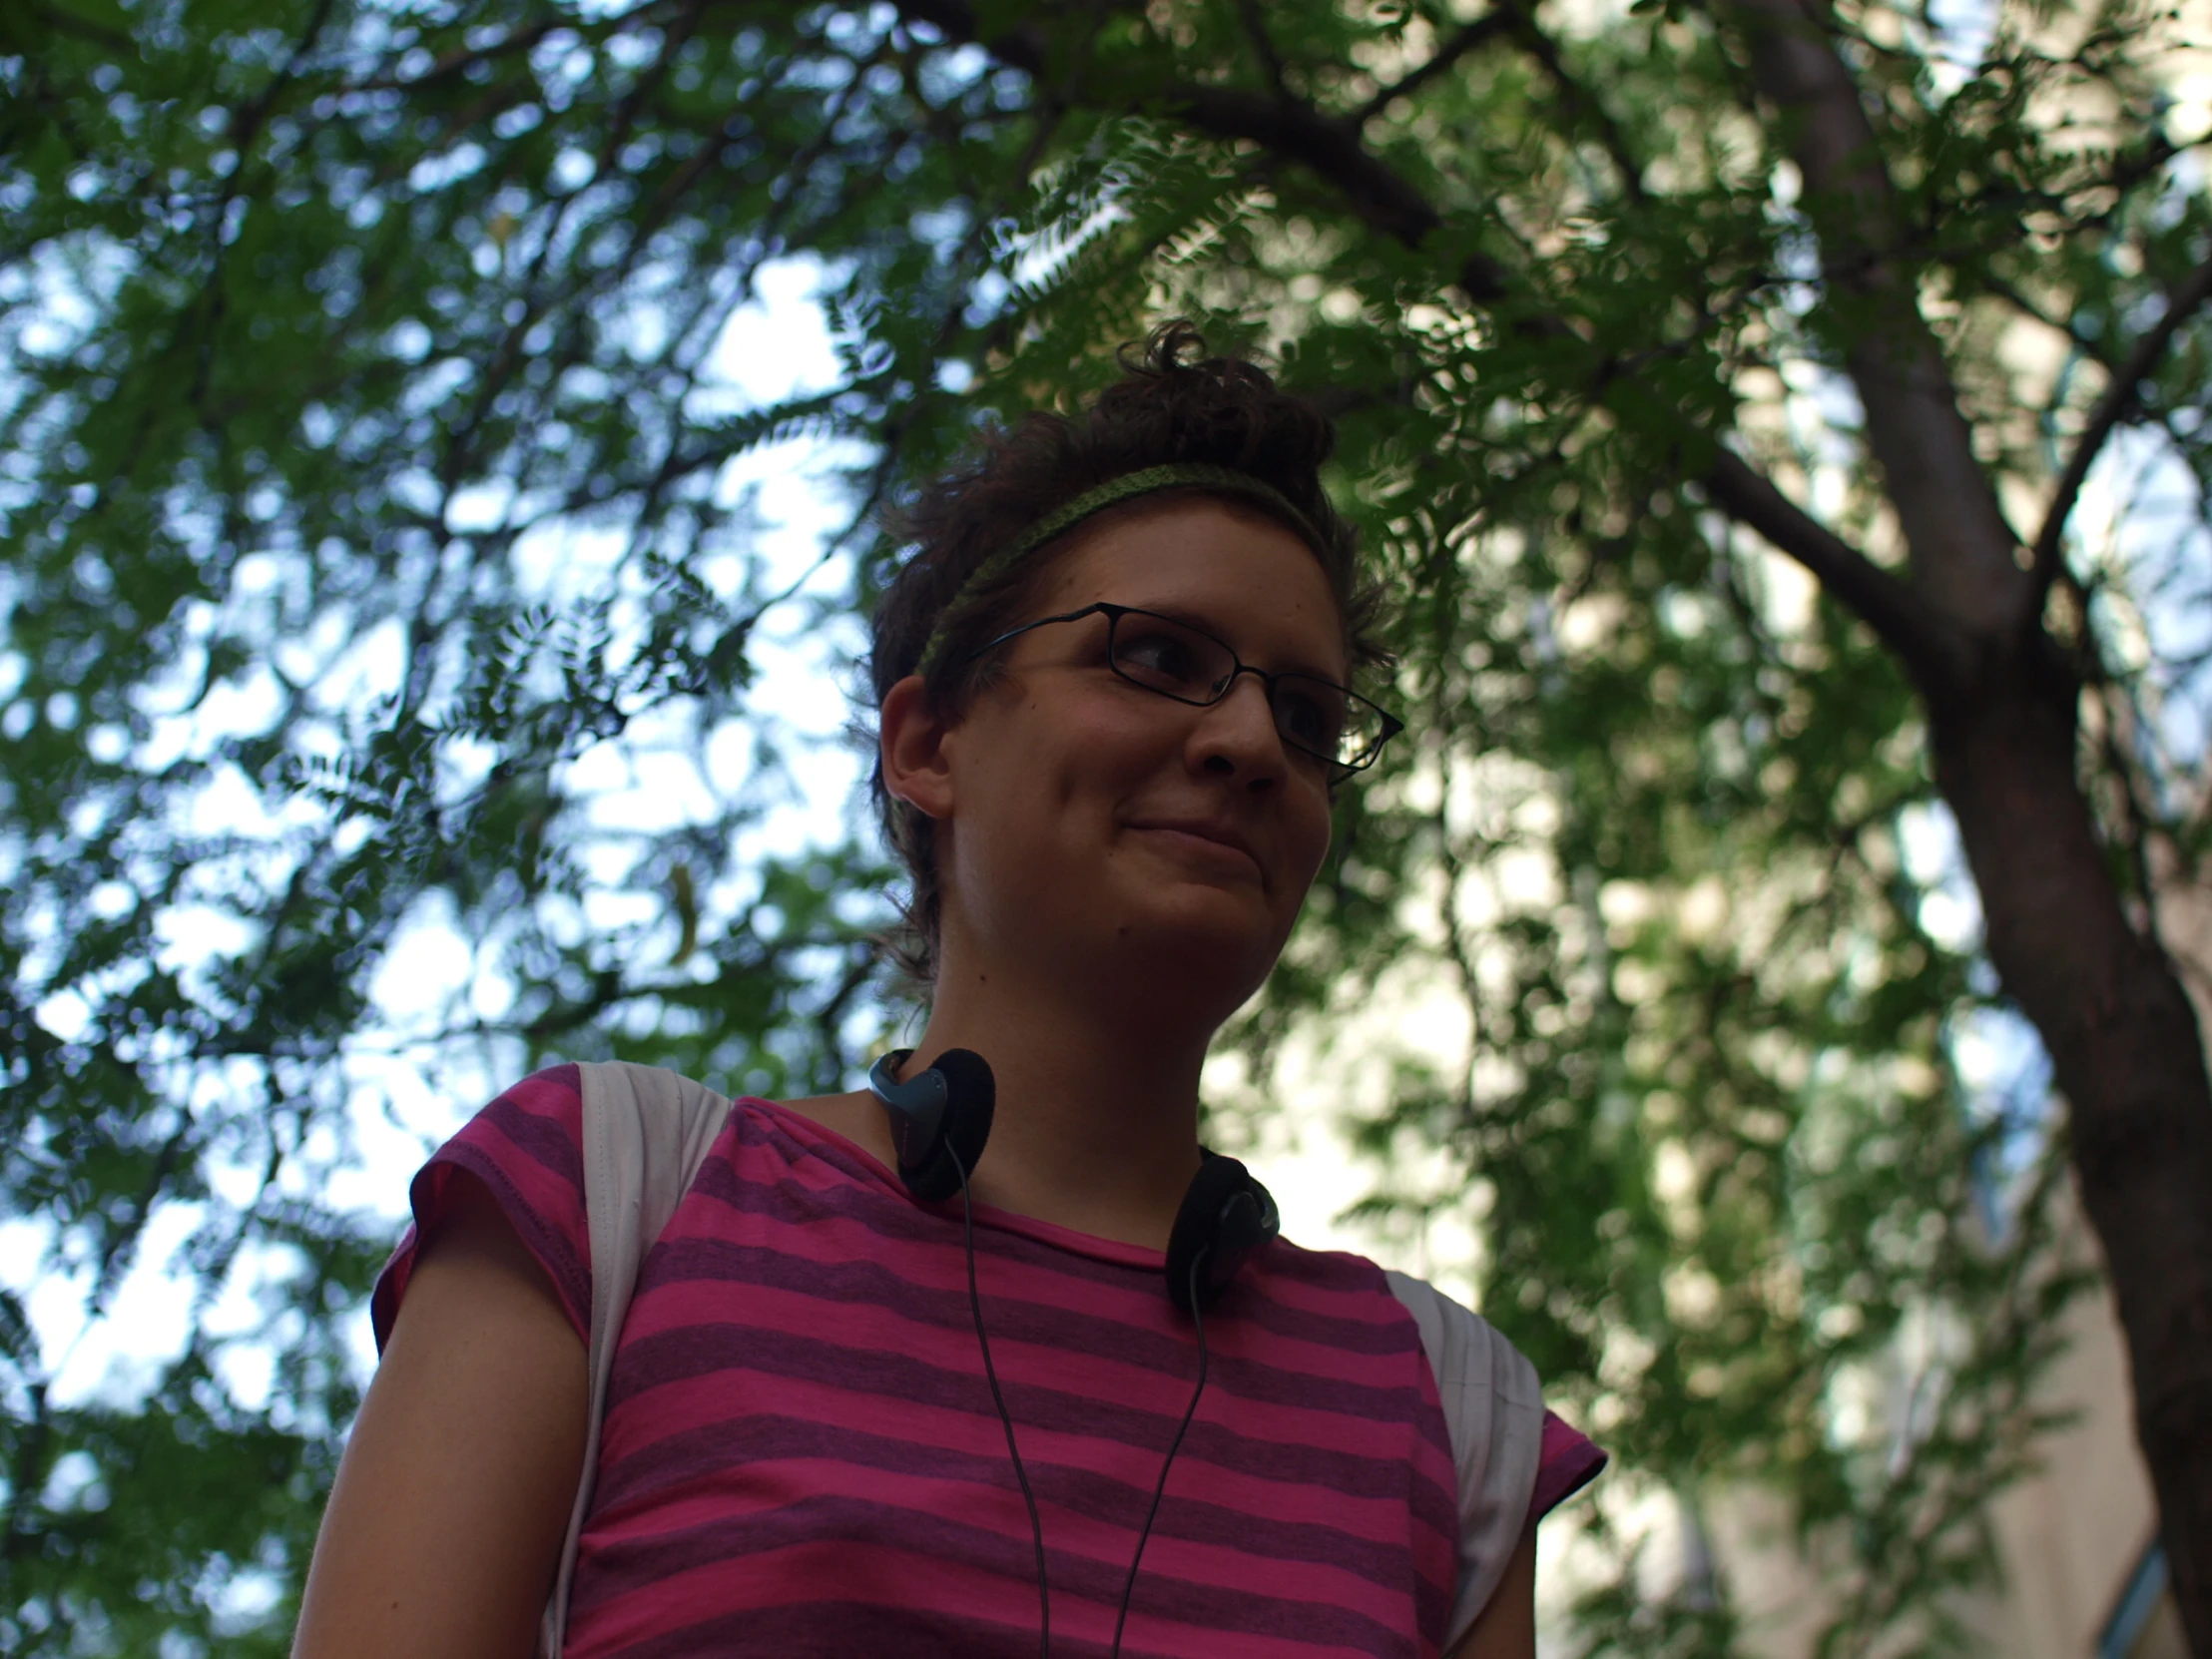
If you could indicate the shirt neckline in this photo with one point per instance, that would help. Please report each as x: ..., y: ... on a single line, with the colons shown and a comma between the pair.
x: 804, y: 1128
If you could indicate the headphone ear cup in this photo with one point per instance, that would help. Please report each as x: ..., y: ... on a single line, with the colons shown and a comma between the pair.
x: 944, y: 1112
x: 1226, y: 1218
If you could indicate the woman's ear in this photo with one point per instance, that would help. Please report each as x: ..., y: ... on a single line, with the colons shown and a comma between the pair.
x: 911, y: 747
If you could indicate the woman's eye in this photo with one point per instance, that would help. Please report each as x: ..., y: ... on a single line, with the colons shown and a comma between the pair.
x: 1310, y: 718
x: 1160, y: 655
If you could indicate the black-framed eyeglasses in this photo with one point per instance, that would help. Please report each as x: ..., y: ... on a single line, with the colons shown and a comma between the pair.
x: 1317, y: 717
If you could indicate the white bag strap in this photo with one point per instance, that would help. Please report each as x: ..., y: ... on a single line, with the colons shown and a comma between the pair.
x: 646, y: 1132
x: 1493, y: 1408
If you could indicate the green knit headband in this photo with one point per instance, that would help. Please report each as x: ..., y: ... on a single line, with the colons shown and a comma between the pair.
x: 1176, y: 475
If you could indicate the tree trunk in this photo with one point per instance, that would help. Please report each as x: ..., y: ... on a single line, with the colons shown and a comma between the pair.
x: 2128, y: 1056
x: 2004, y: 712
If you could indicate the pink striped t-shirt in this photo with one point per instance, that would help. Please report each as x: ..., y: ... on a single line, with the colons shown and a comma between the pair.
x: 801, y: 1456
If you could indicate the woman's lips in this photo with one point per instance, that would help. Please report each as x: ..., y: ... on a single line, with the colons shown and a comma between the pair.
x: 1210, y: 843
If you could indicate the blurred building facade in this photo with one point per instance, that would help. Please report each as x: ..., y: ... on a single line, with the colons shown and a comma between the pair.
x: 2082, y: 1574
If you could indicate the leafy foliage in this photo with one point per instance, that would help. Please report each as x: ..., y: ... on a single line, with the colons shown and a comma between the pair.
x: 365, y: 459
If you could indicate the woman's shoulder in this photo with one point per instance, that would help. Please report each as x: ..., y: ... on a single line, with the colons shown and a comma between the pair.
x: 1351, y: 1283
x: 1463, y: 1344
x: 525, y: 1150
x: 1490, y: 1391
x: 856, y: 1118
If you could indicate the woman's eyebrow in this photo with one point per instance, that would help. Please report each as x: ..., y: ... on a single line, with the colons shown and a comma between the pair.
x: 1190, y: 618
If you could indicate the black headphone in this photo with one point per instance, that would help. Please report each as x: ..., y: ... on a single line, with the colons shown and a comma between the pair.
x: 939, y: 1122
x: 941, y: 1118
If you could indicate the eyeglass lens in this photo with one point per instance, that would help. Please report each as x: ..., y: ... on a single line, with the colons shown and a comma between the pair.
x: 1313, y: 713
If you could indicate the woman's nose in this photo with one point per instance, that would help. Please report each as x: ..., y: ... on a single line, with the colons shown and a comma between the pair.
x: 1238, y: 734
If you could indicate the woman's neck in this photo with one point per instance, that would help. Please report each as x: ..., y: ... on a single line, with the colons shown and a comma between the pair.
x: 1096, y: 1123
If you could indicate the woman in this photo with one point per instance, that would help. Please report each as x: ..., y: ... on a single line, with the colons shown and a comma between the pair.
x: 1112, y: 718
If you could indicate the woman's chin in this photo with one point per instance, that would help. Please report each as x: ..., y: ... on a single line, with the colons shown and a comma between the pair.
x: 1193, y: 949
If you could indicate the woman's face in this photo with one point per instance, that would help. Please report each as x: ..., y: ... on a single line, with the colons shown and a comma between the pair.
x: 1097, y: 829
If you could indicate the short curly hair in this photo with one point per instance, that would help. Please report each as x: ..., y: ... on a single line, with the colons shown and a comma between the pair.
x: 1173, y: 404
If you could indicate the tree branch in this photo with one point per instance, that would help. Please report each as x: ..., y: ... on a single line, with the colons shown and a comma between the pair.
x: 64, y: 22
x: 522, y: 38
x: 1928, y: 648
x: 2027, y: 307
x: 1961, y: 548
x: 1328, y: 145
x: 1331, y: 147
x: 1578, y: 99
x: 1022, y: 46
x: 1389, y: 202
x: 1458, y: 46
x: 2183, y: 301
x: 26, y: 1478
x: 1256, y: 26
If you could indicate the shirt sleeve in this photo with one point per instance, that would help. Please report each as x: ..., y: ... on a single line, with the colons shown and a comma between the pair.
x: 526, y: 1147
x: 1568, y: 1462
x: 1515, y: 1460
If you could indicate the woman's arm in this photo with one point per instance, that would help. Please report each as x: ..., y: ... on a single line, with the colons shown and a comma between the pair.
x: 444, y: 1527
x: 1506, y: 1626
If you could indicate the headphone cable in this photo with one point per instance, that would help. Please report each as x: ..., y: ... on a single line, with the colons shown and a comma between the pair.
x: 1036, y: 1523
x: 1021, y: 1474
x: 1189, y: 1412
